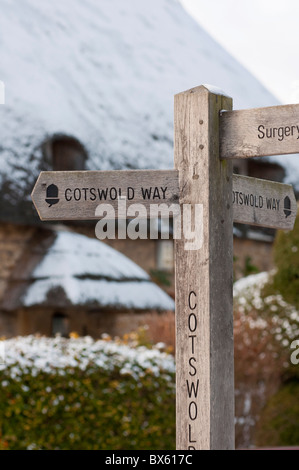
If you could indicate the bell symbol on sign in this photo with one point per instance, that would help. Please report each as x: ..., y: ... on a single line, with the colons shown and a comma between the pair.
x: 52, y: 195
x: 287, y: 206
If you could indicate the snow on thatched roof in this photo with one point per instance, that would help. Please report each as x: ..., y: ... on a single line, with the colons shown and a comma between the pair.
x: 80, y: 271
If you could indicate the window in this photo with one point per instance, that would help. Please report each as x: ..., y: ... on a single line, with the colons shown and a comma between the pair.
x: 60, y: 325
x: 63, y: 153
x: 68, y: 154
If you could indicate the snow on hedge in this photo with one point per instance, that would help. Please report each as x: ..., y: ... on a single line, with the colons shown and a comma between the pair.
x: 274, y: 314
x: 33, y: 354
x: 249, y: 287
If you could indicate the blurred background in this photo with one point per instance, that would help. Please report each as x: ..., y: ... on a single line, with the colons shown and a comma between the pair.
x: 89, y: 85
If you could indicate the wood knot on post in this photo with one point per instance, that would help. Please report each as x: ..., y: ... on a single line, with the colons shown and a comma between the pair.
x: 201, y: 146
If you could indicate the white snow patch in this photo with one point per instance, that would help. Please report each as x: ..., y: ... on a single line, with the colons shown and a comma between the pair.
x: 90, y: 272
x: 283, y: 320
x: 2, y: 93
x: 135, y: 295
x: 215, y: 90
x: 53, y: 355
x: 73, y: 254
x: 247, y: 283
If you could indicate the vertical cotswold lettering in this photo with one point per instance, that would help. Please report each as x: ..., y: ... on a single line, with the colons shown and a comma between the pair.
x: 192, y: 389
x: 192, y: 383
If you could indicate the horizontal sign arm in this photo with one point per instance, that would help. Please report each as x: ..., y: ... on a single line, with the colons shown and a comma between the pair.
x: 263, y: 203
x: 259, y: 132
x: 75, y: 195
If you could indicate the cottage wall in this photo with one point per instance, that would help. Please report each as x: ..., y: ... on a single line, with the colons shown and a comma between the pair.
x: 258, y: 254
x: 160, y: 325
x: 14, y: 241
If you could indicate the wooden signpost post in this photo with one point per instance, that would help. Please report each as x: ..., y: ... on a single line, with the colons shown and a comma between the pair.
x: 207, y: 134
x: 204, y: 279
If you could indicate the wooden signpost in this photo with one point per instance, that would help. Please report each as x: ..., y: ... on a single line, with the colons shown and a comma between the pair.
x: 207, y: 134
x: 204, y: 279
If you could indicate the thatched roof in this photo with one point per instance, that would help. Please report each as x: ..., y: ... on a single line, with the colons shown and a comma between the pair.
x: 104, y: 74
x: 63, y: 269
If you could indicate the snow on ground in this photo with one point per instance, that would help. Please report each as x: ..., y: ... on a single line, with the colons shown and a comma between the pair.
x: 90, y: 272
x: 32, y: 354
x: 104, y: 72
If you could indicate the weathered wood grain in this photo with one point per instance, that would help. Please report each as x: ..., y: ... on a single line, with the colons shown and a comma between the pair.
x: 255, y: 201
x: 81, y: 192
x: 263, y: 203
x: 204, y: 313
x: 259, y: 132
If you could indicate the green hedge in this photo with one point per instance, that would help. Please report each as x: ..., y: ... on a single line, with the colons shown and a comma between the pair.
x: 286, y: 254
x: 94, y: 408
x: 279, y: 421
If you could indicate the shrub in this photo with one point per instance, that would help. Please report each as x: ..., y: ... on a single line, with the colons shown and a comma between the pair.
x: 265, y: 327
x: 286, y: 254
x: 280, y: 418
x: 85, y: 394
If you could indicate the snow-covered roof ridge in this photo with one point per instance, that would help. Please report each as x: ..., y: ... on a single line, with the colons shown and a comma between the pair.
x: 104, y: 73
x: 82, y: 257
x: 80, y: 271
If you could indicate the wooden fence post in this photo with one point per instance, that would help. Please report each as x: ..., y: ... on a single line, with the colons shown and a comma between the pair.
x: 204, y: 278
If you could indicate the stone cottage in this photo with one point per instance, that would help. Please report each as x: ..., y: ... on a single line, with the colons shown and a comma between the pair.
x: 65, y: 282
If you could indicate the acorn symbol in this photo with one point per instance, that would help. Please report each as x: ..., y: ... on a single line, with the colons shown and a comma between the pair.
x: 52, y: 195
x: 287, y: 206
